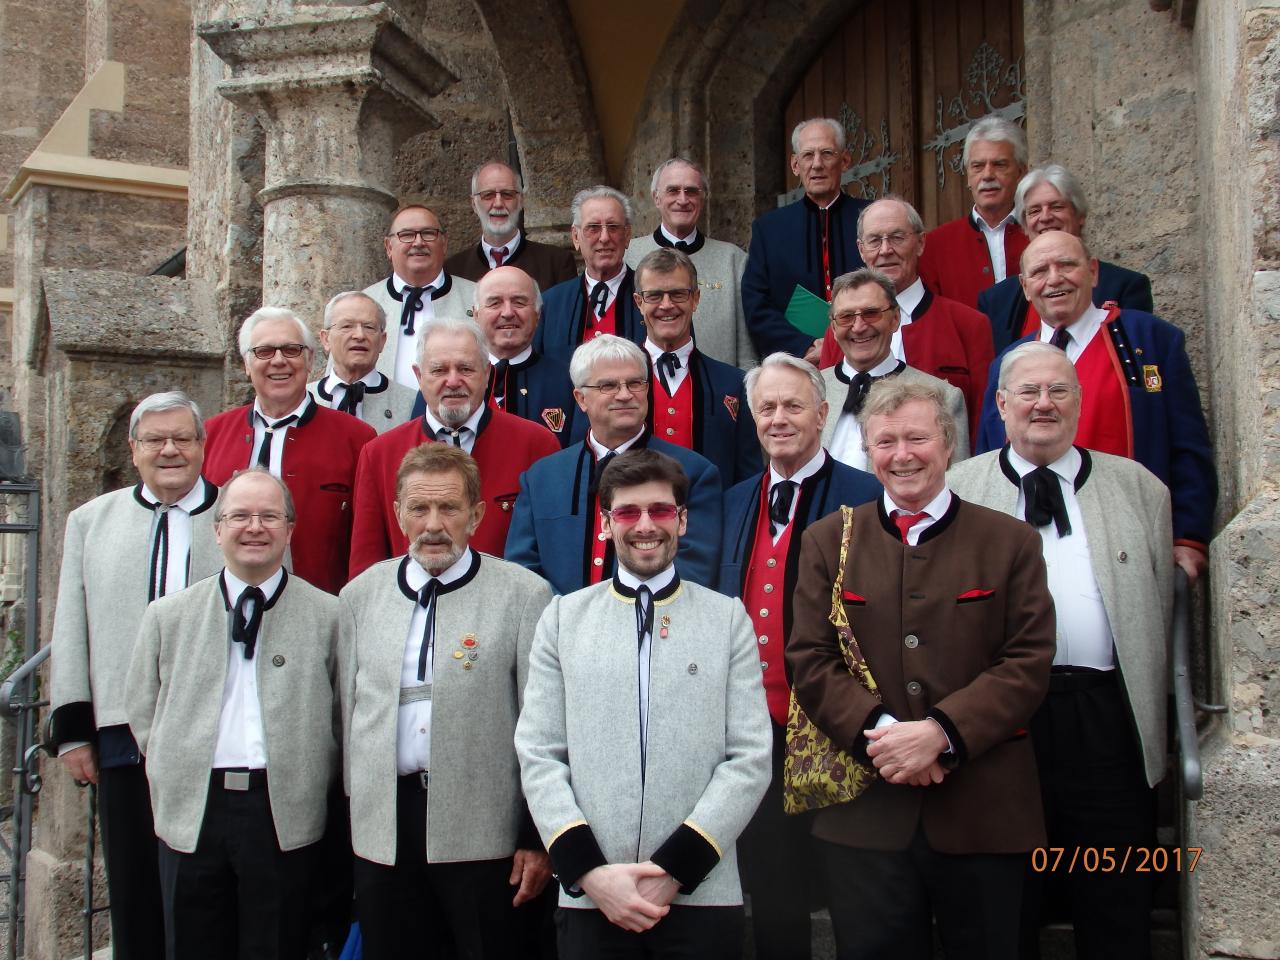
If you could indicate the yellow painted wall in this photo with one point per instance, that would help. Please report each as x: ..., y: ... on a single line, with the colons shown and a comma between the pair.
x: 620, y: 42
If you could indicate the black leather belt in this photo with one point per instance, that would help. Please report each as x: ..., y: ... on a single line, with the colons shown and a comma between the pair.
x: 239, y: 779
x: 414, y: 781
x: 1075, y: 679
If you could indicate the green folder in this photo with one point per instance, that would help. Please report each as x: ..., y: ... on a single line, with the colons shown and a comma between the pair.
x: 808, y: 313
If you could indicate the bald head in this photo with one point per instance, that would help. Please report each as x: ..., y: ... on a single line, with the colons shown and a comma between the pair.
x: 1058, y: 277
x: 507, y: 305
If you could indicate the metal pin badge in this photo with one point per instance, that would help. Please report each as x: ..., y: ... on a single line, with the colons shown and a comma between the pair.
x: 278, y: 660
x: 666, y: 622
x: 693, y: 668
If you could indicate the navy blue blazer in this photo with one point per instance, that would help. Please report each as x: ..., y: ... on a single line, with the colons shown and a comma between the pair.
x: 539, y: 390
x: 786, y: 251
x: 1170, y: 437
x: 723, y: 429
x: 1006, y: 305
x: 551, y: 524
x: 834, y: 485
x: 564, y: 310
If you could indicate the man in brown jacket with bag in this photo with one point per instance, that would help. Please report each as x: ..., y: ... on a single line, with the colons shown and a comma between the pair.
x: 948, y: 604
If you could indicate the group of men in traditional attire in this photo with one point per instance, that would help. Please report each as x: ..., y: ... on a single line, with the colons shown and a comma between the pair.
x: 384, y: 667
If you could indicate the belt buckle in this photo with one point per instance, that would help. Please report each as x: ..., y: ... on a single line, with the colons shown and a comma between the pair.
x: 423, y: 776
x: 235, y: 780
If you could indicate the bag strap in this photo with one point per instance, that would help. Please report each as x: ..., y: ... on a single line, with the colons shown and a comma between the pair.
x: 839, y: 619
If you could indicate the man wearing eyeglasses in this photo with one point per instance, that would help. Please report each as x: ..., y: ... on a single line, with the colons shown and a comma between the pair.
x: 599, y: 302
x: 557, y: 529
x: 453, y: 372
x: 1099, y: 736
x: 435, y: 653
x: 644, y: 738
x: 311, y: 448
x: 121, y: 551
x: 1140, y: 396
x: 354, y: 333
x: 231, y: 695
x: 948, y: 605
x: 420, y: 287
x: 679, y: 190
x: 497, y: 197
x: 797, y: 251
x: 864, y: 320
x: 943, y: 338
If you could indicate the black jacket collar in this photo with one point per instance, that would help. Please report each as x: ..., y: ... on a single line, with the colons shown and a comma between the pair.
x: 402, y: 577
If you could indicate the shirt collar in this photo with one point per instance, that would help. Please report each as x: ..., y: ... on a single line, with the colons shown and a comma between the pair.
x: 471, y: 424
x: 883, y: 368
x: 656, y: 351
x: 935, y: 508
x: 416, y: 574
x: 400, y: 283
x: 909, y: 299
x: 189, y: 502
x: 295, y: 412
x: 982, y: 224
x: 511, y: 246
x: 1082, y: 330
x: 804, y: 473
x: 674, y: 239
x: 613, y: 284
x: 520, y: 357
x: 655, y: 583
x: 235, y: 586
x: 600, y: 449
x: 1067, y: 466
x: 371, y: 379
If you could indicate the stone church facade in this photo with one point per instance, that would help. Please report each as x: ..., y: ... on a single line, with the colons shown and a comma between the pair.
x: 270, y: 138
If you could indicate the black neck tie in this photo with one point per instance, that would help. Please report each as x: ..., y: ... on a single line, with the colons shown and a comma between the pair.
x: 780, y: 498
x: 599, y: 297
x: 498, y: 383
x: 1044, y: 499
x: 682, y: 245
x: 264, y: 451
x: 667, y: 365
x: 598, y: 471
x: 352, y: 398
x: 446, y: 435
x: 412, y: 304
x: 857, y: 394
x: 159, y: 555
x: 1060, y: 338
x: 244, y: 630
x: 644, y: 614
x: 427, y: 600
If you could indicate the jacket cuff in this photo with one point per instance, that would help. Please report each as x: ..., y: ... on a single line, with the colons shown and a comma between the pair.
x: 688, y: 855
x: 72, y: 722
x: 1193, y: 544
x: 858, y: 750
x: 574, y: 853
x: 958, y: 753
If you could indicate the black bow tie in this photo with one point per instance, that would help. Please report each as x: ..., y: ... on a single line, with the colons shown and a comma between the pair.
x: 780, y: 498
x: 412, y: 304
x: 1044, y: 499
x: 498, y: 382
x: 244, y: 630
x: 857, y: 394
x: 667, y: 365
x: 599, y: 297
x: 682, y: 245
x: 352, y: 398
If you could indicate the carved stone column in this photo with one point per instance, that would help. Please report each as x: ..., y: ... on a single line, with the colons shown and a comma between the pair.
x: 336, y: 90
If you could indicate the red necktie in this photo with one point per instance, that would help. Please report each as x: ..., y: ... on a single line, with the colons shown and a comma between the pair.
x: 499, y: 255
x: 826, y: 254
x: 905, y: 521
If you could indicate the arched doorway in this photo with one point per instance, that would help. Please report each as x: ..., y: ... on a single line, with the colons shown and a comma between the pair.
x: 907, y: 80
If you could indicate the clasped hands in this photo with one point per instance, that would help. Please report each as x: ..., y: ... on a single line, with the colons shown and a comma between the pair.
x: 635, y: 896
x: 907, y: 752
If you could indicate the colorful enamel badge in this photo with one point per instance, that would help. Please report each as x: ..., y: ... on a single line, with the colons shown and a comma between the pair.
x: 665, y: 624
x: 731, y: 404
x: 553, y: 417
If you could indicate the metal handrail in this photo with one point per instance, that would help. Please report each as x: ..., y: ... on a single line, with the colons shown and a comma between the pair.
x: 1184, y: 703
x: 9, y: 689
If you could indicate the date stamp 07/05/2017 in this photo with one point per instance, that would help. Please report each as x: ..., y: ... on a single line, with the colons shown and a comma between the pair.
x: 1115, y: 859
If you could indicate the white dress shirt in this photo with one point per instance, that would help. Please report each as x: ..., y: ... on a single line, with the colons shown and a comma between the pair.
x: 655, y: 583
x: 336, y: 388
x: 933, y: 511
x: 908, y: 300
x: 413, y: 721
x: 846, y: 441
x: 995, y: 243
x: 512, y: 246
x: 175, y: 574
x: 241, y: 742
x: 691, y: 238
x: 276, y: 437
x: 601, y: 450
x: 519, y: 358
x: 799, y: 477
x: 466, y: 433
x: 1084, y: 632
x: 1082, y: 332
x: 407, y: 344
x: 682, y: 371
x: 613, y: 286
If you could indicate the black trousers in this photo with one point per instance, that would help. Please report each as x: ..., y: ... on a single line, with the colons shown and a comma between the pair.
x: 776, y: 858
x: 238, y: 895
x: 130, y: 851
x: 1095, y: 795
x: 686, y: 933
x: 882, y: 901
x: 428, y: 910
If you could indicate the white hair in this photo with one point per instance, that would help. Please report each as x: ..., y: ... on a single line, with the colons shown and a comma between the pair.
x: 604, y: 348
x: 781, y: 359
x: 160, y: 402
x: 683, y: 161
x: 274, y: 313
x: 996, y: 129
x: 347, y: 295
x: 537, y: 292
x: 913, y: 217
x: 452, y: 325
x: 1058, y: 177
x: 1034, y: 348
x: 837, y: 130
x: 599, y: 192
x: 475, y: 174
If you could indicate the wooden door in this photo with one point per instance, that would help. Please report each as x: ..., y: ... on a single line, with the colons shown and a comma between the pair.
x: 907, y: 79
